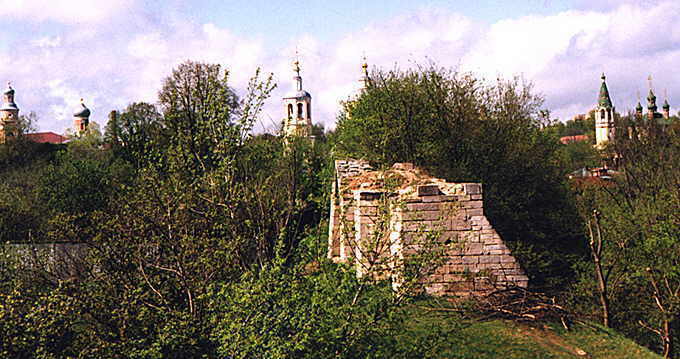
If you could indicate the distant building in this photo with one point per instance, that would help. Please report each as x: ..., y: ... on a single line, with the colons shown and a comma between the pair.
x: 604, y: 117
x: 9, y: 116
x: 46, y: 137
x: 81, y: 119
x: 602, y: 173
x: 662, y: 118
x: 298, y: 107
x: 571, y: 139
x: 9, y: 124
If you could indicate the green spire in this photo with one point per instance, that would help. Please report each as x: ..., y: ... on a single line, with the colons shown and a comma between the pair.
x: 666, y: 106
x: 604, y: 100
x: 638, y: 108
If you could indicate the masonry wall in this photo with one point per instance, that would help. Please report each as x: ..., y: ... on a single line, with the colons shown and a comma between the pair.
x: 449, y: 217
x: 341, y: 222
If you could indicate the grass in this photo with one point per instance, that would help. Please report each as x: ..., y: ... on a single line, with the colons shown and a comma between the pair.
x: 454, y: 337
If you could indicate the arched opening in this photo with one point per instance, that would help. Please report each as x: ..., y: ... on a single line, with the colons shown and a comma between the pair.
x: 290, y: 110
x: 309, y: 110
x: 300, y: 108
x: 602, y: 114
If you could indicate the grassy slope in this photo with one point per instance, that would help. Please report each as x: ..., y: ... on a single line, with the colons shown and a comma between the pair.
x: 506, y: 339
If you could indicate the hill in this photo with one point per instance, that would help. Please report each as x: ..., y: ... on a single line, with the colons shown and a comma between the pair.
x: 480, y: 339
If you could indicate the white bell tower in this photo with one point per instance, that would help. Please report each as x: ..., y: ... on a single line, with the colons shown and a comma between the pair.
x: 604, y: 117
x: 298, y: 108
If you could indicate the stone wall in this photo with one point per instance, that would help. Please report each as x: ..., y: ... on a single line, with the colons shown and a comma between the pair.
x: 61, y: 260
x: 380, y: 218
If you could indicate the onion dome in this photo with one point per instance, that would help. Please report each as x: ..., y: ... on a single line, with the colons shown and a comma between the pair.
x: 83, y: 112
x: 638, y: 108
x: 666, y: 106
x: 8, y: 103
x: 9, y: 90
x: 651, y: 101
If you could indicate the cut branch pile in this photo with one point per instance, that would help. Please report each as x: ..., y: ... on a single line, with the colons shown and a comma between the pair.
x: 521, y: 305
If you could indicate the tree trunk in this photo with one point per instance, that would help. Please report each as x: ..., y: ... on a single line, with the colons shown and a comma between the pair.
x: 667, y: 339
x: 604, y: 302
x: 596, y: 251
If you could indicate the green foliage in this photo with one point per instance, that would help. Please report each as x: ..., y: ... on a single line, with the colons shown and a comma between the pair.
x: 75, y: 185
x: 640, y: 230
x: 577, y: 155
x: 575, y: 127
x: 200, y: 239
x: 22, y: 215
x: 286, y: 313
x: 135, y: 133
x: 37, y: 326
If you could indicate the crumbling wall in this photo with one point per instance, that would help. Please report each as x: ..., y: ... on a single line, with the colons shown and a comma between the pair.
x: 449, y: 215
x: 341, y: 222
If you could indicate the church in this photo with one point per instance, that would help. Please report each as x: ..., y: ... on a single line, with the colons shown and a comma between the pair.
x: 605, y: 121
x: 298, y: 105
x: 10, y: 124
x: 298, y: 108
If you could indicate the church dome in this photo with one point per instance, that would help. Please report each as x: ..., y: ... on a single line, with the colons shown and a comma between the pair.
x: 83, y: 112
x: 9, y: 106
x: 299, y: 94
x: 8, y: 102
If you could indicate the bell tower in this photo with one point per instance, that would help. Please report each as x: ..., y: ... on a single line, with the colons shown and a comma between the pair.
x: 81, y: 119
x: 298, y: 108
x: 364, y: 80
x: 604, y: 117
x: 9, y: 115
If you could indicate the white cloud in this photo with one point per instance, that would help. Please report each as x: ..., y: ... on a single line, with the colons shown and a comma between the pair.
x: 527, y: 45
x: 64, y: 11
x: 126, y: 60
x: 47, y: 42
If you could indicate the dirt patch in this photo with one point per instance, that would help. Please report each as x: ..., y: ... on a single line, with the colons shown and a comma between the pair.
x: 548, y: 339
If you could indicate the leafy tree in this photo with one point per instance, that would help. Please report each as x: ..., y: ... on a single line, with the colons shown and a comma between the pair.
x: 112, y: 130
x: 136, y: 132
x: 201, y: 113
x: 75, y: 185
x: 640, y: 227
x: 27, y: 123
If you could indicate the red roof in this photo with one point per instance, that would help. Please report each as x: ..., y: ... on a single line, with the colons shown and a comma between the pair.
x: 577, y: 138
x: 46, y: 137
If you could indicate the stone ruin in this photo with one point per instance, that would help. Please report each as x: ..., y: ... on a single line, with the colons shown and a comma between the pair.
x: 379, y: 219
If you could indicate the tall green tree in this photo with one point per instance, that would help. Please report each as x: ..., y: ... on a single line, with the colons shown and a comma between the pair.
x: 136, y: 132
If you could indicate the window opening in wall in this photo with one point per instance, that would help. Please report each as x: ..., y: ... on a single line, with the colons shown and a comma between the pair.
x: 300, y: 110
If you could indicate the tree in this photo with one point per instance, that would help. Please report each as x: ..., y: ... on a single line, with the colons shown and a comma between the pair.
x: 136, y: 132
x: 201, y: 113
x: 112, y: 131
x: 26, y: 123
x: 639, y: 279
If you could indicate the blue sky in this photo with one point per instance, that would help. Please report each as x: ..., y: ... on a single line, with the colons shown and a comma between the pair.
x: 279, y: 20
x: 112, y: 53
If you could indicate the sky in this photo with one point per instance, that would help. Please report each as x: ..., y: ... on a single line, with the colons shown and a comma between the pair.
x: 112, y: 53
